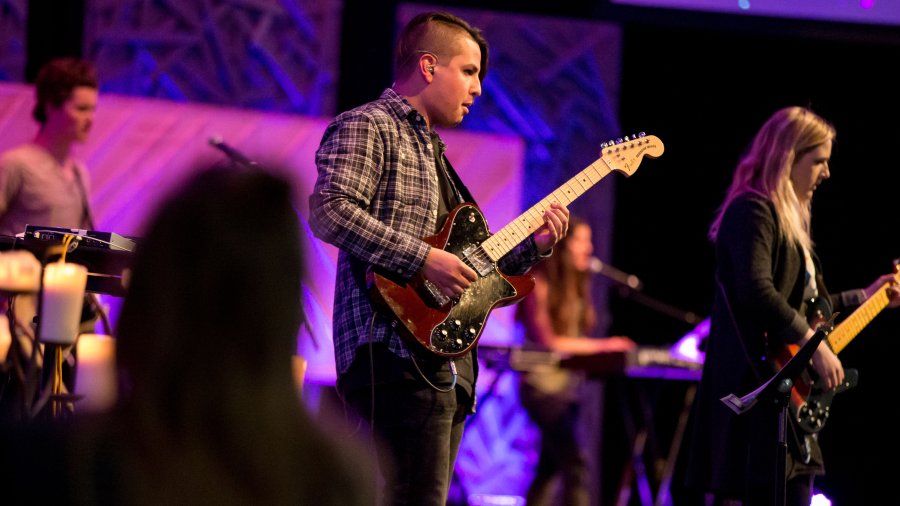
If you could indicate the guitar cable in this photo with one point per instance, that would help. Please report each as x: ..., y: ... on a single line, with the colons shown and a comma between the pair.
x: 412, y: 357
x: 453, y: 371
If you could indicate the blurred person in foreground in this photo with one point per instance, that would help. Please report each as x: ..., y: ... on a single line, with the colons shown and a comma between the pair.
x: 208, y: 411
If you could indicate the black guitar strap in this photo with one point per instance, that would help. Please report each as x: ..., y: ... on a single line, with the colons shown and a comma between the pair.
x: 459, y: 189
x: 458, y: 192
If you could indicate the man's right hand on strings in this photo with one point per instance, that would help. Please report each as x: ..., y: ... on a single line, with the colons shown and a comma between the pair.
x: 446, y: 271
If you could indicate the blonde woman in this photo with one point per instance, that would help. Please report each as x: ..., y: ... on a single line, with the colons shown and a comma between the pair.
x: 766, y: 271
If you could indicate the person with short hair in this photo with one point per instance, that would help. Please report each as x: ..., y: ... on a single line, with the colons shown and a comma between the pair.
x: 384, y: 184
x: 43, y: 184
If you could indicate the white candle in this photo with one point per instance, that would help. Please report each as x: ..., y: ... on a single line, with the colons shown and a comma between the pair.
x: 298, y: 366
x: 63, y: 294
x: 20, y: 272
x: 95, y: 372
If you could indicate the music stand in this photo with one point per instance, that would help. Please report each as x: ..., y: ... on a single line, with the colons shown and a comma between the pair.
x: 778, y: 390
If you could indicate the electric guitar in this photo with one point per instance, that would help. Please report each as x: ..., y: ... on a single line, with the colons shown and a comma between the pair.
x: 810, y: 405
x: 451, y: 326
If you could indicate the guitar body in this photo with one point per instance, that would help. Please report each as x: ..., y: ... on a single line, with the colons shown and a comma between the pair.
x: 445, y: 326
x: 810, y: 405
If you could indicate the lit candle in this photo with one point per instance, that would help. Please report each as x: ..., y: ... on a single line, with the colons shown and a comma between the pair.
x: 95, y: 372
x: 63, y: 294
x: 298, y: 366
x: 20, y: 272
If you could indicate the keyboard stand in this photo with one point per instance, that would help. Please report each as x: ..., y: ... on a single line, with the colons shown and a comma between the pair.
x: 641, y: 431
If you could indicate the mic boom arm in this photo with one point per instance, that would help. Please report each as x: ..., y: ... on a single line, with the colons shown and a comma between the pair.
x: 235, y: 155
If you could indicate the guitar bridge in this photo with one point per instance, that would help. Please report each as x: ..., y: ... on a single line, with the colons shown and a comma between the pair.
x: 437, y: 296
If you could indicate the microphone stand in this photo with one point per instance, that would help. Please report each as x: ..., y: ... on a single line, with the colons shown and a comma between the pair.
x: 778, y: 390
x: 234, y: 155
x: 631, y: 287
x: 659, y: 306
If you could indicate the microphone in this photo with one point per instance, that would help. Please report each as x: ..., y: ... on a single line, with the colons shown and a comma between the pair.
x: 235, y: 155
x: 623, y: 278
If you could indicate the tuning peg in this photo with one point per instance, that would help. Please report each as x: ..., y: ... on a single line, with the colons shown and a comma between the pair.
x: 642, y: 134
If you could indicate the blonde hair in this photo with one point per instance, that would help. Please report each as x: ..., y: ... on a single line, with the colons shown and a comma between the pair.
x: 766, y: 169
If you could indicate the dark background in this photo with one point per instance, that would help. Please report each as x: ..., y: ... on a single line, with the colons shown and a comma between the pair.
x: 704, y: 84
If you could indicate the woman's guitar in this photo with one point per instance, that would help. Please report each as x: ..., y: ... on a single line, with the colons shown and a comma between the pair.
x: 451, y: 326
x: 810, y: 405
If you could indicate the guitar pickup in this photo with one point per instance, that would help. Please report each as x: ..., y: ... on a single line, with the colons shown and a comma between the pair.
x: 480, y: 262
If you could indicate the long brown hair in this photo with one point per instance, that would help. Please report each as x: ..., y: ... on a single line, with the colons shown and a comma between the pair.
x: 570, y: 298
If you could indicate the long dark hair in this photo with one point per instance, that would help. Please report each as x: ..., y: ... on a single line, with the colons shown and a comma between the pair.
x: 570, y: 289
x: 217, y: 277
x: 210, y: 412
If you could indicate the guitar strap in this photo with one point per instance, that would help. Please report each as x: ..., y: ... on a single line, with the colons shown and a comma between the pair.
x: 447, y: 177
x: 459, y: 189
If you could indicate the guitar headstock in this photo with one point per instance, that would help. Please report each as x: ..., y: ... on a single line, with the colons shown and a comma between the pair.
x: 625, y: 153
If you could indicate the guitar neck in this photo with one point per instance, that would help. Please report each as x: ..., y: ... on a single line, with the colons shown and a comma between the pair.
x: 516, y: 231
x: 841, y: 336
x: 621, y: 155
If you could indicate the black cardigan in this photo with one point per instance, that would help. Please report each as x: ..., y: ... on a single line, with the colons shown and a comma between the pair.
x: 759, y: 294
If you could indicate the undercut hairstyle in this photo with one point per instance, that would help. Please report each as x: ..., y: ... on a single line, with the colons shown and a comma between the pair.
x: 56, y: 80
x: 436, y: 33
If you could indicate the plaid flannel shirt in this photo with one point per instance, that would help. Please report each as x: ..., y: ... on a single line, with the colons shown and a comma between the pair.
x: 375, y: 197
